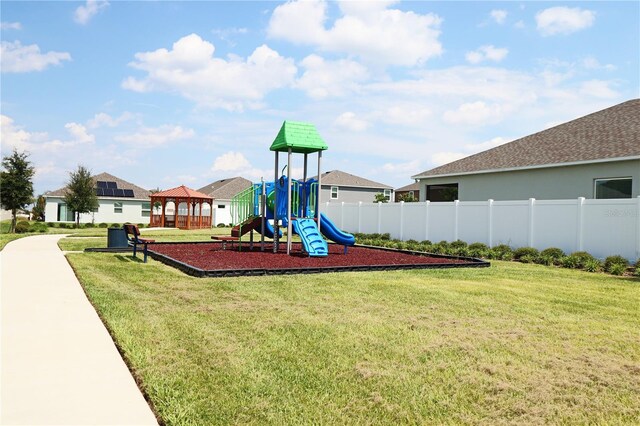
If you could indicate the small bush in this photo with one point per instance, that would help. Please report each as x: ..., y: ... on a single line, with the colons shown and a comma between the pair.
x: 528, y: 258
x: 22, y: 227
x: 89, y: 225
x: 63, y: 225
x: 611, y: 261
x: 501, y: 252
x: 592, y: 265
x: 617, y: 269
x: 478, y: 250
x: 51, y: 224
x: 103, y: 225
x: 571, y: 262
x: 221, y: 225
x: 38, y: 227
x: 116, y: 225
x: 141, y: 225
x: 553, y: 252
x: 582, y: 257
x: 637, y: 268
x: 458, y: 244
x: 530, y: 252
x: 547, y: 260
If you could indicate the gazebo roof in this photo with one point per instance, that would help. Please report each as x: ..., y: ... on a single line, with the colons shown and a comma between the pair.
x: 302, y: 138
x: 181, y: 192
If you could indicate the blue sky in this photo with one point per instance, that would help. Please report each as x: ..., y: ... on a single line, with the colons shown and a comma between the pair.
x: 169, y: 93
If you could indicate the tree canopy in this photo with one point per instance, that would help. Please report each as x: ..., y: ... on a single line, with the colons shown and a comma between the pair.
x: 81, y: 196
x: 16, y: 184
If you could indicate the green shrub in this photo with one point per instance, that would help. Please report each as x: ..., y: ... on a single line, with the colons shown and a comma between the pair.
x: 458, y: 244
x: 478, y: 250
x: 22, y: 227
x: 582, y: 257
x: 103, y: 225
x: 547, y: 260
x: 89, y: 225
x: 116, y: 225
x: 527, y: 258
x: 611, y: 261
x: 617, y: 269
x: 63, y: 225
x: 38, y: 227
x: 571, y: 262
x: 141, y: 225
x: 426, y: 243
x: 501, y: 252
x: 221, y: 225
x: 460, y: 251
x: 553, y: 252
x: 51, y: 224
x: 636, y: 265
x: 530, y: 252
x: 592, y: 265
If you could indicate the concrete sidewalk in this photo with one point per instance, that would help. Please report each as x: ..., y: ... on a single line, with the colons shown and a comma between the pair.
x: 59, y: 364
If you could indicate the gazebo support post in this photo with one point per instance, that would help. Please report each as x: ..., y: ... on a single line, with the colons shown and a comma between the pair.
x: 164, y: 205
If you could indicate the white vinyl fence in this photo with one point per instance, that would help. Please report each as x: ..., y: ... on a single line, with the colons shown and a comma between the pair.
x: 600, y: 227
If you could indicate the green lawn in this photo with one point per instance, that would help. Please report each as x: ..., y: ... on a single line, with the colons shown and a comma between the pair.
x: 514, y: 343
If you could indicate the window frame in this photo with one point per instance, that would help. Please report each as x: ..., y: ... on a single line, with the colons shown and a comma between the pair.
x: 387, y: 194
x: 117, y: 205
x: 145, y: 210
x: 429, y: 195
x: 595, y: 187
x: 337, y: 192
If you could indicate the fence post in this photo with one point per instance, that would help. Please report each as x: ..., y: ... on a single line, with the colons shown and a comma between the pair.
x: 426, y: 219
x: 579, y: 220
x: 490, y: 227
x: 359, y: 216
x: 379, y: 217
x: 456, y: 203
x: 401, y: 220
x: 532, y: 202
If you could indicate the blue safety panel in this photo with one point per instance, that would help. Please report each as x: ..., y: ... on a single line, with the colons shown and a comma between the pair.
x: 312, y: 241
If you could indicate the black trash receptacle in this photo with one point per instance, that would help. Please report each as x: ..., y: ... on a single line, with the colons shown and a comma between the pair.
x: 117, y: 238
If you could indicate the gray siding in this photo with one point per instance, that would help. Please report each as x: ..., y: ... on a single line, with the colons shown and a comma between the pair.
x: 554, y: 183
x: 350, y: 194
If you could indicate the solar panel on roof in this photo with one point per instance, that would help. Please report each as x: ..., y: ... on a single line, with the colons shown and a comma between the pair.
x: 102, y: 184
x: 112, y: 185
x: 108, y: 192
x: 118, y: 192
x: 99, y: 192
x: 128, y: 192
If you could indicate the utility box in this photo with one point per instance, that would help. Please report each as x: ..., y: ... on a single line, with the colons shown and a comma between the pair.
x: 117, y: 238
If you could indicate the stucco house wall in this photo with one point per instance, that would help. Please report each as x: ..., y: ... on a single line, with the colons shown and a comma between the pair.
x: 349, y: 194
x: 131, y: 211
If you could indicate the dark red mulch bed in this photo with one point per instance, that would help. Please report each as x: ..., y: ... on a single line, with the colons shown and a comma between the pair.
x: 209, y: 259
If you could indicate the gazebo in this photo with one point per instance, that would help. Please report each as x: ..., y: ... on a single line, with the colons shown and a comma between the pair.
x: 187, y: 213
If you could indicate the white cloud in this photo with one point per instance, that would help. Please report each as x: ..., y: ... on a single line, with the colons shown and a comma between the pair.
x: 483, y: 146
x: 323, y: 78
x: 79, y: 133
x: 440, y: 158
x: 349, y: 121
x: 591, y: 63
x: 91, y: 8
x: 368, y: 30
x: 408, y: 114
x: 402, y: 169
x: 15, y: 57
x: 10, y: 26
x: 563, y: 20
x: 474, y: 113
x: 191, y: 70
x: 598, y: 89
x: 487, y: 53
x: 149, y: 137
x: 103, y: 119
x: 13, y: 137
x: 230, y: 162
x: 498, y: 15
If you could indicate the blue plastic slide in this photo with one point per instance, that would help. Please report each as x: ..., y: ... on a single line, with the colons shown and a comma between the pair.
x: 268, y: 230
x: 311, y: 239
x: 332, y: 232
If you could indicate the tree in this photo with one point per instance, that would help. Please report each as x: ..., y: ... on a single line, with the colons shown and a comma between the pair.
x: 37, y: 212
x: 407, y: 197
x: 81, y: 193
x: 16, y: 184
x: 380, y: 198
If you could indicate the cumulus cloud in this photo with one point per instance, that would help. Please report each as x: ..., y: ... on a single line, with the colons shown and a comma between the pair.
x: 13, y: 136
x: 486, y: 53
x: 598, y: 89
x: 191, y: 70
x: 349, y: 121
x: 474, y: 113
x: 440, y: 158
x: 498, y: 15
x: 91, y: 8
x: 16, y: 58
x: 407, y: 114
x: 16, y: 137
x: 10, y: 26
x: 563, y: 20
x: 103, y: 119
x: 591, y: 63
x: 230, y: 162
x: 368, y: 30
x: 322, y: 78
x: 150, y: 137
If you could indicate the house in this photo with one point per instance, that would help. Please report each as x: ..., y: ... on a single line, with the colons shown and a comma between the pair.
x: 412, y: 191
x: 223, y: 191
x: 595, y: 156
x: 119, y: 201
x: 338, y: 186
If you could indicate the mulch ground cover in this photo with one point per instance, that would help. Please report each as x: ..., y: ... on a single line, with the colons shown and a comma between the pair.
x: 210, y: 259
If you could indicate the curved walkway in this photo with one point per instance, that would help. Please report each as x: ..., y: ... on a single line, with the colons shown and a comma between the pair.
x: 59, y: 364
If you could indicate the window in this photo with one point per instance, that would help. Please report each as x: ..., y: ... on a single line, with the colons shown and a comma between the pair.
x: 612, y: 188
x: 146, y: 209
x: 117, y: 207
x: 95, y: 210
x: 221, y: 206
x: 387, y: 194
x: 442, y: 192
x: 64, y: 215
x: 334, y: 192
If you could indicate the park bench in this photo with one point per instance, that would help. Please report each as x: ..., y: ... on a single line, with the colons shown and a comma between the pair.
x: 225, y: 240
x: 133, y: 237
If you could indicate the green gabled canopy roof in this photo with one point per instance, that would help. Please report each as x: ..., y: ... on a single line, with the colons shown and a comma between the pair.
x: 302, y: 138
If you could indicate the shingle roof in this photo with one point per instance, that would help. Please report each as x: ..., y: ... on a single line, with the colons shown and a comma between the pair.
x: 608, y: 134
x: 415, y: 186
x: 181, y: 192
x: 138, y: 193
x: 226, y: 189
x: 337, y: 177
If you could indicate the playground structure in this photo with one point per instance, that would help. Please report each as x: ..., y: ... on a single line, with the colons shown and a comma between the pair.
x: 286, y: 202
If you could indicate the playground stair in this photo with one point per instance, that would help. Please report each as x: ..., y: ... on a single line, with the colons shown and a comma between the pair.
x: 312, y: 241
x: 253, y: 222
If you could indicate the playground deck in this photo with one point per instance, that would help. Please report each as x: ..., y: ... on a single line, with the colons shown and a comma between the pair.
x: 208, y: 259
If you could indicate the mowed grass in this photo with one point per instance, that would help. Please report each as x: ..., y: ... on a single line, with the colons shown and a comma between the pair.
x: 510, y: 344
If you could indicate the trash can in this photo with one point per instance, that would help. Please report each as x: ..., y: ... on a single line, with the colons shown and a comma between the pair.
x: 117, y: 238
